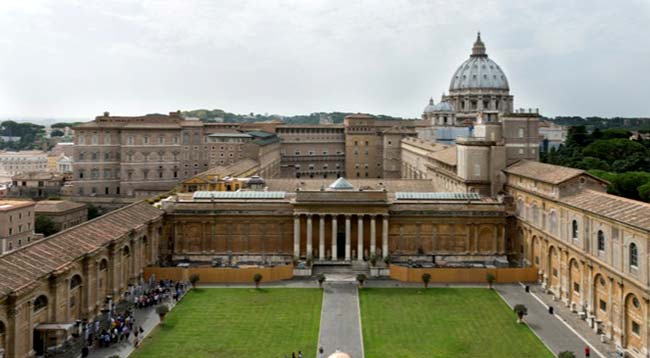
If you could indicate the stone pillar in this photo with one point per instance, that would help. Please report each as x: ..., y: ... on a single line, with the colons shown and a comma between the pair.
x: 373, y: 239
x: 495, y: 244
x: 590, y: 290
x: 309, y: 237
x: 502, y: 238
x: 348, y: 249
x: 296, y: 236
x: 30, y: 327
x: 610, y: 306
x: 321, y: 238
x: 360, y: 237
x: 334, y: 237
x: 621, y: 313
x: 582, y: 285
x: 468, y: 236
x: 384, y: 236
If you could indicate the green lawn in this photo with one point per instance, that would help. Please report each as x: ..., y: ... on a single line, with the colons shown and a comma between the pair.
x: 443, y: 322
x: 221, y: 322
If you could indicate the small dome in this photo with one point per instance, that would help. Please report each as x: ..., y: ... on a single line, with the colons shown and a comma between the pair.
x: 443, y: 107
x: 479, y: 72
x: 341, y: 184
x: 255, y: 179
x: 339, y: 354
x: 430, y: 107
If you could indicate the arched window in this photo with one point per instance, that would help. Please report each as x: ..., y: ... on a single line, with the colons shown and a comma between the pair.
x: 601, y: 240
x: 75, y: 281
x: 552, y: 218
x: 126, y: 251
x: 40, y: 302
x: 103, y: 265
x: 535, y: 211
x: 634, y: 255
x: 574, y: 229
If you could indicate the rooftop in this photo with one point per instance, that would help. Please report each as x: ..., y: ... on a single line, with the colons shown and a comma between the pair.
x: 7, y: 205
x: 22, y: 268
x: 549, y: 173
x: 632, y: 212
x: 57, y: 206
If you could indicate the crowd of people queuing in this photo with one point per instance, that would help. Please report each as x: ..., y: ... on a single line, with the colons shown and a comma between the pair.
x: 119, y: 325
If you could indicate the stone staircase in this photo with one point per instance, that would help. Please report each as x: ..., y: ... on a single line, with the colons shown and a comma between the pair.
x: 341, y: 271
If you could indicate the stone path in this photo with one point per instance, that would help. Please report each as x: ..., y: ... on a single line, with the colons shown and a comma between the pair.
x: 551, y: 329
x: 340, y: 325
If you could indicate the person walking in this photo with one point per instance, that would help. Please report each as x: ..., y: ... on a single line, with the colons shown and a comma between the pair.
x: 321, y: 353
x: 587, y: 352
x: 299, y: 354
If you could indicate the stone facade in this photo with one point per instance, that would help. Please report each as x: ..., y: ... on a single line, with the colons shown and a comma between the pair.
x: 591, y: 248
x: 16, y: 224
x: 64, y: 214
x: 68, y: 277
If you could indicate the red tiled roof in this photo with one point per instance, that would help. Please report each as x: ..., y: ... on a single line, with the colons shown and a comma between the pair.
x: 628, y: 211
x: 22, y: 268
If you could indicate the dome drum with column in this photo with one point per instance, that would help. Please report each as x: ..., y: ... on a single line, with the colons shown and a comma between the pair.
x: 478, y: 85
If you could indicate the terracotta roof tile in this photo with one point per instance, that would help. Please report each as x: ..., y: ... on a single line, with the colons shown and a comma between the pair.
x: 21, y: 268
x: 628, y: 211
x: 549, y: 173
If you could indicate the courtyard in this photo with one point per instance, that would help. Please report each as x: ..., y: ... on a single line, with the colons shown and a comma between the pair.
x: 238, y: 322
x: 443, y: 322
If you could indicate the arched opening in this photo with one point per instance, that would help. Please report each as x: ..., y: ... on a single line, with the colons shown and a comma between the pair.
x: 127, y: 266
x: 40, y: 302
x: 75, y: 304
x: 554, y: 269
x: 536, y: 254
x: 634, y: 322
x: 601, y: 240
x: 601, y: 299
x: 575, y: 281
x: 520, y: 207
x: 2, y: 336
x: 634, y: 256
x: 102, y: 279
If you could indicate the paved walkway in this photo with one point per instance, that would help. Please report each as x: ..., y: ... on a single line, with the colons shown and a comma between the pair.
x: 146, y: 318
x: 340, y: 325
x: 551, y: 329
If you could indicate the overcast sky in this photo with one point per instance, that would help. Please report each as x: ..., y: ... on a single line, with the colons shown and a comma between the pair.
x: 66, y: 58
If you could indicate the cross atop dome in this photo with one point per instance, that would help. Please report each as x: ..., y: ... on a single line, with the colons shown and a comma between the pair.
x: 478, y: 50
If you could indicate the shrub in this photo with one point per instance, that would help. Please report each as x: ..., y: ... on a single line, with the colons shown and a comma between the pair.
x: 162, y: 310
x: 194, y: 278
x: 257, y: 278
x: 426, y: 277
x: 362, y: 279
x: 521, y: 311
x: 321, y: 279
x: 490, y: 278
x: 566, y: 354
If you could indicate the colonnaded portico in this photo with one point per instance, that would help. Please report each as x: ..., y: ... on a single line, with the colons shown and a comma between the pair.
x: 355, y: 238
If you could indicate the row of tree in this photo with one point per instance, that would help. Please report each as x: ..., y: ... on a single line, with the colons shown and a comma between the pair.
x: 207, y: 115
x: 612, y: 154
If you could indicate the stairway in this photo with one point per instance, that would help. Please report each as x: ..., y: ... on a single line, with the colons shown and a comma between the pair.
x: 341, y: 271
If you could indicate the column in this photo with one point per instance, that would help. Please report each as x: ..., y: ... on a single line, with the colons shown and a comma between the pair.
x: 360, y: 238
x: 610, y: 306
x: 467, y: 237
x: 496, y: 239
x: 384, y: 236
x: 583, y: 289
x: 334, y: 237
x: 347, y: 238
x: 373, y: 240
x: 321, y: 238
x: 590, y: 297
x: 309, y: 237
x: 296, y: 236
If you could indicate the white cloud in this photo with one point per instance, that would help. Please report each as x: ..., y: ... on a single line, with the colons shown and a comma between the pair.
x: 78, y: 58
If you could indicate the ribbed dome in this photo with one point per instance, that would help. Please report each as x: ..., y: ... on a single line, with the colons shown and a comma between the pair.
x: 443, y: 107
x: 479, y: 72
x: 430, y: 107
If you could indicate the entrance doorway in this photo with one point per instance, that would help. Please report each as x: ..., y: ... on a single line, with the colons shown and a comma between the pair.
x: 38, y: 343
x: 340, y: 245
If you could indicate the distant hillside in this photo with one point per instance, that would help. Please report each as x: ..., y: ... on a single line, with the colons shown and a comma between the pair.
x: 214, y: 115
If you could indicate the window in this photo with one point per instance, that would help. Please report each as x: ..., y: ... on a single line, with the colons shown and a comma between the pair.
x: 636, y: 329
x: 75, y: 281
x: 602, y: 305
x: 601, y: 240
x: 554, y: 272
x: 576, y: 287
x: 40, y: 302
x: 82, y: 139
x: 634, y: 256
x: 477, y: 170
x: 574, y: 229
x: 129, y: 140
x: 161, y: 140
x: 520, y: 132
